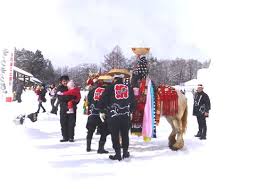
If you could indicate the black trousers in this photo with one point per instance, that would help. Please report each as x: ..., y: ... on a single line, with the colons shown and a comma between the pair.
x: 202, y: 125
x: 40, y: 106
x: 52, y: 102
x: 92, y: 123
x: 18, y: 97
x: 68, y: 123
x: 55, y: 107
x: 119, y: 125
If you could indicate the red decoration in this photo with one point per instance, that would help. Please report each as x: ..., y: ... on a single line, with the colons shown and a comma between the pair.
x: 168, y: 97
x: 158, y: 109
x: 90, y: 82
x: 98, y: 93
x: 141, y: 100
x: 121, y: 91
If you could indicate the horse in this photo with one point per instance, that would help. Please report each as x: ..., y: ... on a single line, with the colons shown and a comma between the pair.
x: 178, y: 119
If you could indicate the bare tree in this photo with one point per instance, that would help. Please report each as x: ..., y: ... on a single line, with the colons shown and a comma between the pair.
x: 115, y: 59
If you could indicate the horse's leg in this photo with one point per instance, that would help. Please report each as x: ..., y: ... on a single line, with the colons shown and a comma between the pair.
x: 171, y: 138
x: 180, y: 141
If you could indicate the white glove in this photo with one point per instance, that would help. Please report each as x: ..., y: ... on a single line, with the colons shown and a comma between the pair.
x: 59, y: 93
x: 102, y: 117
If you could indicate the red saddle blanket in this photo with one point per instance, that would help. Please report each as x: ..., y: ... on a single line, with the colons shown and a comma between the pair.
x: 167, y: 100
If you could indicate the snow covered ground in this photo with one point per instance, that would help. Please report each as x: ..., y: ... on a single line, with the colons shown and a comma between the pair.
x: 33, y: 157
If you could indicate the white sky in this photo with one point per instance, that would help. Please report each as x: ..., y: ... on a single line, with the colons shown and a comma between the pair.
x: 73, y: 32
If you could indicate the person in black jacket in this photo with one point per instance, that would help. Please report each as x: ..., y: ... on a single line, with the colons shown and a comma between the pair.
x: 41, y: 92
x: 56, y: 103
x: 19, y: 90
x: 67, y: 121
x: 119, y: 101
x: 94, y: 118
x: 201, y: 109
x: 52, y: 94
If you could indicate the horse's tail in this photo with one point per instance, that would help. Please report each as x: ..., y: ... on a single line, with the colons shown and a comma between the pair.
x: 184, y: 120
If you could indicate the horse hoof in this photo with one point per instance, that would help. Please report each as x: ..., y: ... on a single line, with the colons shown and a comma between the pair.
x: 173, y: 148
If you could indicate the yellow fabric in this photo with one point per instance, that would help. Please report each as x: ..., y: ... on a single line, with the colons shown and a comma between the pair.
x: 136, y: 134
x: 147, y: 139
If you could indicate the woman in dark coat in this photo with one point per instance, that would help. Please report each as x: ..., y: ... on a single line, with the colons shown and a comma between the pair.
x: 41, y: 92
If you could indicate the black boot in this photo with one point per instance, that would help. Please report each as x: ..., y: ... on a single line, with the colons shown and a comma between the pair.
x: 126, y: 154
x: 203, y: 137
x: 88, y: 145
x: 198, y: 134
x: 204, y: 132
x: 63, y: 140
x: 54, y: 110
x: 117, y: 156
x: 101, y: 149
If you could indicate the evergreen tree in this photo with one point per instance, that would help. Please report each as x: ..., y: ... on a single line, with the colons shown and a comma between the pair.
x: 36, y: 64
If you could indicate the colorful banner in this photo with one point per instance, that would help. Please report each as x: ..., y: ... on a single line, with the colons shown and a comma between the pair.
x: 6, y: 81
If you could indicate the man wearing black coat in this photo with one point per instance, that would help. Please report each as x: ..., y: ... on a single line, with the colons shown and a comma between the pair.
x: 19, y: 90
x: 201, y: 109
x: 119, y: 101
x: 67, y: 121
x: 94, y: 118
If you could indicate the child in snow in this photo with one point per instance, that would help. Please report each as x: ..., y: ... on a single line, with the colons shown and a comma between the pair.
x: 72, y: 91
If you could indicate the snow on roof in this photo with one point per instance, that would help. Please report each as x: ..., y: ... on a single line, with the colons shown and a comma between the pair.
x: 202, y: 78
x: 191, y: 82
x: 22, y: 71
x: 34, y: 79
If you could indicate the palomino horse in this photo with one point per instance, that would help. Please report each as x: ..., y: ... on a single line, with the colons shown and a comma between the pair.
x: 178, y: 119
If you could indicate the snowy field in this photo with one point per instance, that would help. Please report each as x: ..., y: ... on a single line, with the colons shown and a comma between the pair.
x: 33, y: 157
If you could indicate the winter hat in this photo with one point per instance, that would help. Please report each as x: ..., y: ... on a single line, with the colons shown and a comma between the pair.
x: 64, y: 77
x: 70, y: 84
x: 200, y: 85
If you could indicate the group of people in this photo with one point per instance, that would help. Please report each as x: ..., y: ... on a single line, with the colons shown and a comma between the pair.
x: 111, y: 104
x: 110, y: 107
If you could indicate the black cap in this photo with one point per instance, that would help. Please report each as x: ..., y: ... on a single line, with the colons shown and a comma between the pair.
x: 64, y: 77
